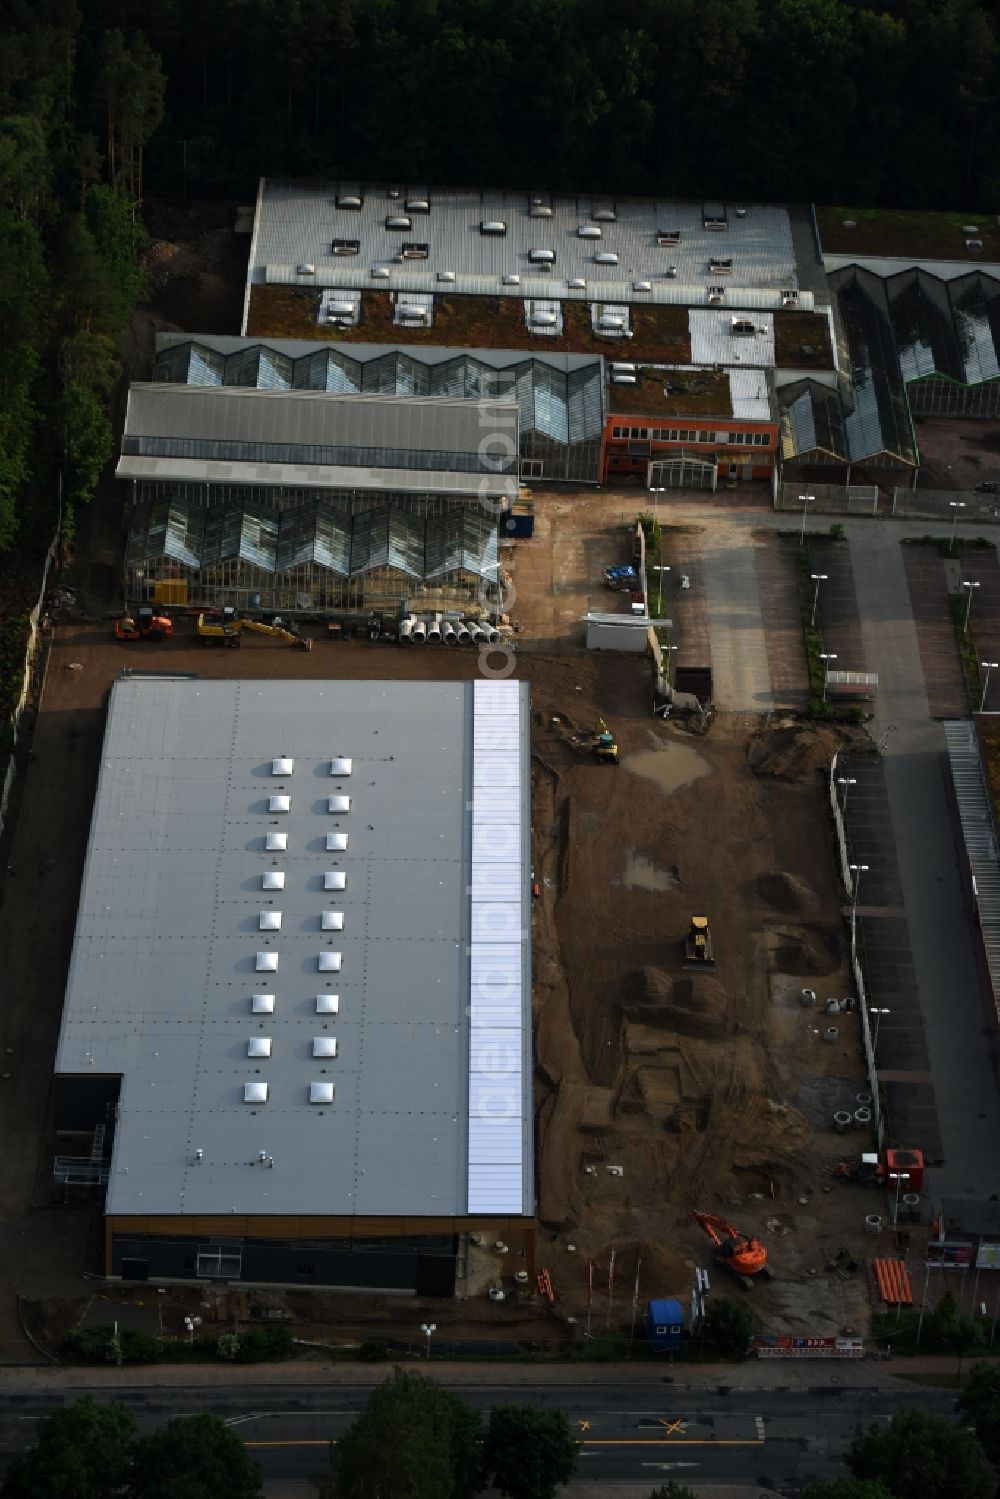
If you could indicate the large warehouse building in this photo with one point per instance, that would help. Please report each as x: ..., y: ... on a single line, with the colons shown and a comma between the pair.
x: 299, y: 1002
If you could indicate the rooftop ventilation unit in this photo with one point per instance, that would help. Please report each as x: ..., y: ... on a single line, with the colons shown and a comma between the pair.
x: 283, y: 766
x: 720, y: 267
x: 624, y: 380
x: 267, y: 962
x: 577, y: 283
x: 335, y: 879
x: 349, y: 200
x: 305, y: 270
x: 789, y: 297
x: 330, y: 962
x: 345, y: 247
x: 418, y: 205
x: 415, y: 250
x: 492, y: 226
x: 269, y: 921
x: 339, y: 803
x: 542, y: 257
x: 642, y: 286
x: 611, y: 321
x: 741, y: 213
x: 589, y: 231
x: 321, y: 1093
x: 328, y: 1004
x: 716, y: 295
x: 670, y: 272
x: 259, y: 1046
x: 605, y: 215
x: 341, y: 765
x: 544, y: 319
x: 410, y: 314
x: 511, y: 279
x: 338, y: 309
x: 279, y: 804
x: 668, y: 237
x: 605, y: 257
x: 272, y: 879
x: 262, y: 1004
x: 336, y: 842
x: 255, y: 1092
x: 332, y: 921
x: 714, y: 216
x: 398, y: 221
x: 324, y: 1046
x: 276, y: 842
x: 973, y: 244
x: 446, y: 275
x: 539, y: 209
x: 743, y: 327
x: 623, y: 369
x: 381, y: 272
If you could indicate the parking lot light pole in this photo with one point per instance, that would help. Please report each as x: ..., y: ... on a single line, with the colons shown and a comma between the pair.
x: 989, y: 665
x: 857, y: 870
x: 878, y: 1013
x: 804, y: 500
x: 826, y: 656
x: 898, y: 1177
x: 955, y: 506
x: 816, y: 578
x: 970, y: 584
x: 428, y: 1329
x: 654, y: 491
x: 846, y: 782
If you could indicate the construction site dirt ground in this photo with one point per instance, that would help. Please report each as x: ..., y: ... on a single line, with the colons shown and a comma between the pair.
x: 710, y: 1091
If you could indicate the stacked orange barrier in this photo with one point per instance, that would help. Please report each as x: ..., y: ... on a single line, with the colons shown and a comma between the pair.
x: 892, y: 1282
x: 545, y: 1285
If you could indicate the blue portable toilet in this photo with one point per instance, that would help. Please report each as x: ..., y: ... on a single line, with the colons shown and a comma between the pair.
x: 664, y: 1325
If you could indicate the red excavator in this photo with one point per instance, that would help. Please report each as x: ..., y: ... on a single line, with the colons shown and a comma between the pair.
x: 742, y: 1256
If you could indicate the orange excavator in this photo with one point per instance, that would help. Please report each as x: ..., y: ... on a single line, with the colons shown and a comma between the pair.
x: 741, y: 1255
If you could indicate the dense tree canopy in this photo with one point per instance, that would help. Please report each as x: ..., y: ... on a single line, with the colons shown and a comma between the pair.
x: 841, y: 101
x: 528, y: 1453
x: 918, y: 1456
x: 979, y: 1402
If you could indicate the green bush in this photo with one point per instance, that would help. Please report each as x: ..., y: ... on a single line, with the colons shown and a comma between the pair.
x: 259, y: 1345
x: 373, y: 1351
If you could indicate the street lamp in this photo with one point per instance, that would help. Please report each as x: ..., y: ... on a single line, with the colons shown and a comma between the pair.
x: 804, y: 500
x: 857, y: 870
x: 970, y: 585
x: 898, y: 1177
x: 190, y: 1323
x: 669, y: 649
x: 878, y: 1013
x: 826, y: 656
x: 654, y: 490
x: 955, y: 506
x: 428, y: 1329
x: 660, y: 570
x: 846, y: 781
x: 989, y: 665
x: 817, y: 578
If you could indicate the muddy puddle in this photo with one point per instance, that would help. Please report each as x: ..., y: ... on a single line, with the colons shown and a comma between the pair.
x: 670, y: 768
x: 641, y: 873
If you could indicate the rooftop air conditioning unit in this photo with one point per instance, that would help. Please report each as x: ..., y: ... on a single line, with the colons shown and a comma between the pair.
x: 668, y: 237
x: 349, y: 200
x: 346, y: 246
x: 446, y: 275
x: 789, y: 297
x: 605, y: 215
x: 606, y: 257
x: 542, y: 257
x: 305, y: 270
x: 492, y: 226
x: 589, y: 231
x: 414, y: 251
x: 539, y: 210
x: 671, y: 272
x: 418, y: 205
x: 720, y: 267
x: 511, y: 280
x: 544, y: 319
x: 381, y: 272
x: 716, y: 294
x: 741, y: 213
x: 577, y: 283
x: 642, y: 286
x: 398, y: 221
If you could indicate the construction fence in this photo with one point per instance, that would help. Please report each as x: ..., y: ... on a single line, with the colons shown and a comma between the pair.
x: 30, y: 666
x: 942, y: 505
x: 859, y: 981
x: 902, y: 503
x: 828, y: 499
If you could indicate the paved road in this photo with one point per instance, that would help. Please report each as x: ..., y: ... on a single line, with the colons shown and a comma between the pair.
x: 741, y: 680
x: 636, y: 1433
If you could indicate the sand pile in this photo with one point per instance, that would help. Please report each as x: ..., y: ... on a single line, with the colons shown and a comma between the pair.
x: 692, y: 1005
x: 786, y: 893
x: 792, y: 754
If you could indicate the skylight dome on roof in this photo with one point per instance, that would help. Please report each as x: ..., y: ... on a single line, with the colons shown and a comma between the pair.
x: 333, y: 921
x: 283, y: 766
x: 324, y: 1046
x: 255, y: 1092
x: 279, y: 804
x: 336, y: 842
x: 328, y: 1004
x: 259, y: 1046
x: 263, y: 1004
x: 321, y: 1092
x: 269, y: 921
x: 276, y: 842
x: 341, y: 765
x: 330, y: 962
x: 267, y: 962
x: 335, y: 879
x: 339, y: 804
x: 273, y: 879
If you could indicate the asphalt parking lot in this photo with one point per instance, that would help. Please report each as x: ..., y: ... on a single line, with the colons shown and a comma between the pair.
x: 927, y: 580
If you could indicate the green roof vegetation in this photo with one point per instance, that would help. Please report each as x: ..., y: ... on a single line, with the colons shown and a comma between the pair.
x: 910, y: 234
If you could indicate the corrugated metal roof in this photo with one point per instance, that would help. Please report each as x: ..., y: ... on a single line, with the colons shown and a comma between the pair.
x: 162, y: 975
x: 319, y: 476
x: 296, y: 224
x: 311, y: 418
x: 714, y: 342
x: 978, y: 834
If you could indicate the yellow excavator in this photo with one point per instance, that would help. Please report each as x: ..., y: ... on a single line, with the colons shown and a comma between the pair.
x: 605, y: 744
x: 226, y: 627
